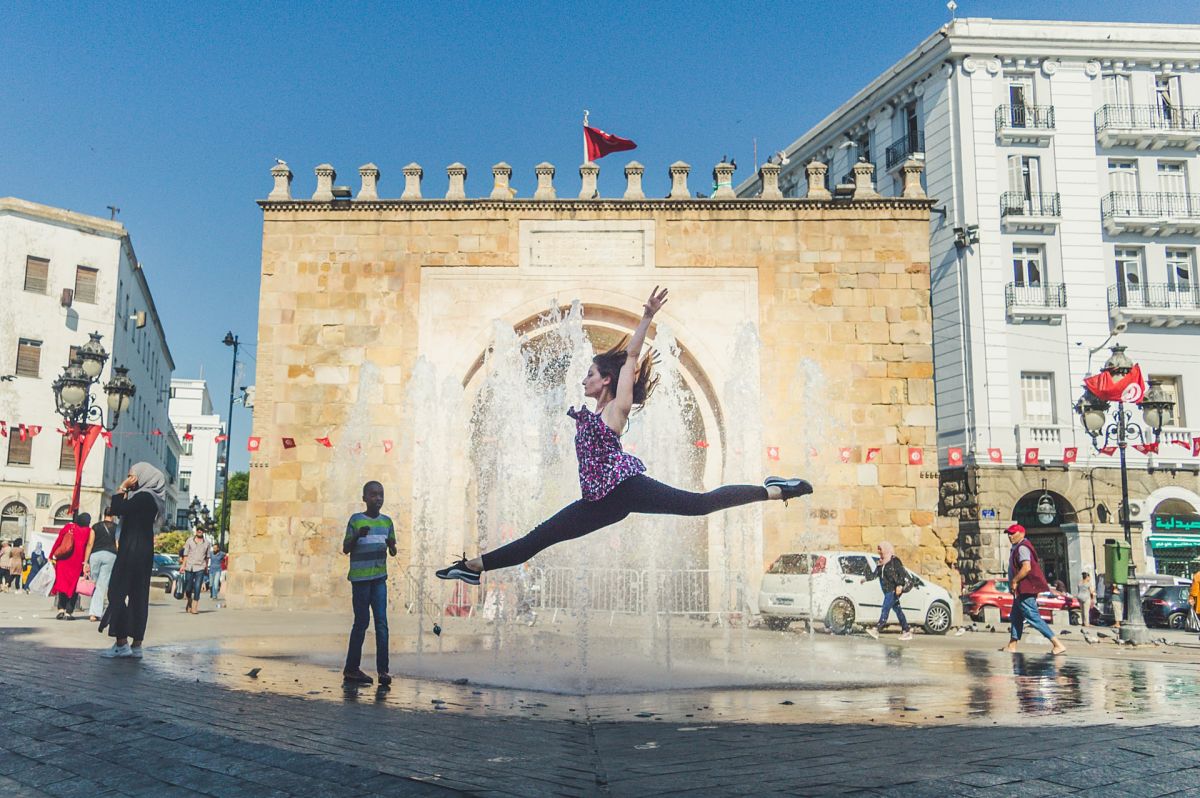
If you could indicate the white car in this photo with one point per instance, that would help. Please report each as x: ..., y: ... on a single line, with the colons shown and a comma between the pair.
x: 828, y: 586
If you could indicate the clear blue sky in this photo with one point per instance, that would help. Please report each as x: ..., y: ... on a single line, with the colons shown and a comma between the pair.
x: 174, y: 112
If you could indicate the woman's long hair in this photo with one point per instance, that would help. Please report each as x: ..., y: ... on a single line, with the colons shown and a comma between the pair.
x: 609, y: 365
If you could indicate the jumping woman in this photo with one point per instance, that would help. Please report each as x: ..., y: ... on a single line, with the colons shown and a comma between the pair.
x: 614, y: 482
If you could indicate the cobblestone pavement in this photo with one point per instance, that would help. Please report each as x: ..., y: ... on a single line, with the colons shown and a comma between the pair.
x: 947, y: 720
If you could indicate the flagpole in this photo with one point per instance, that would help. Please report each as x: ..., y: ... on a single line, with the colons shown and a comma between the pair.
x: 584, y: 131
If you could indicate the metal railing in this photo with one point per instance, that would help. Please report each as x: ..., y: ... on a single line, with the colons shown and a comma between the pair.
x: 1155, y: 204
x: 1148, y: 117
x: 1046, y: 295
x: 1018, y: 203
x: 1026, y: 116
x: 903, y: 147
x: 1167, y: 296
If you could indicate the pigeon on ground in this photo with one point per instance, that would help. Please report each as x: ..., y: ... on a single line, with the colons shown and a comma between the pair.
x: 253, y: 672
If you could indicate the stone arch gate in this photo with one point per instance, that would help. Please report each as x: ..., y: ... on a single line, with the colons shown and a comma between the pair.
x: 354, y: 291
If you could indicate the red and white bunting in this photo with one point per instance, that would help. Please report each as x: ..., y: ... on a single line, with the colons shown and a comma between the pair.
x: 995, y: 455
x: 289, y: 443
x: 1070, y: 454
x: 872, y: 454
x: 772, y: 452
x: 1031, y: 456
x: 954, y: 456
x: 325, y: 441
x: 253, y: 443
x: 844, y: 454
x: 916, y: 455
x: 387, y: 446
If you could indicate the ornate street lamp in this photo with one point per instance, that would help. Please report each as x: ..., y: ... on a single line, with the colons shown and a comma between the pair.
x: 82, y: 416
x: 1098, y: 416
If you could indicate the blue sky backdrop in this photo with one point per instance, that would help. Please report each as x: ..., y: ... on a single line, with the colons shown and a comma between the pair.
x: 174, y: 112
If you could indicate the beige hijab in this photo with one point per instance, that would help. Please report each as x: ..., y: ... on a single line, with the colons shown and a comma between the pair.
x: 886, y: 552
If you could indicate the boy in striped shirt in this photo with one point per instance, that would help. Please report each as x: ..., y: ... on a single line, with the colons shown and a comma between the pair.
x: 370, y: 537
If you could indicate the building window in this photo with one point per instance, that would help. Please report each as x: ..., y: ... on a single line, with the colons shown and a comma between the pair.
x: 1166, y: 95
x: 1172, y: 178
x: 1181, y: 268
x: 1025, y: 179
x: 1131, y: 269
x: 66, y: 455
x: 85, y: 284
x: 1172, y: 386
x: 1037, y: 395
x: 37, y: 274
x: 862, y: 148
x: 19, y: 451
x: 185, y: 481
x: 912, y: 125
x: 181, y: 518
x: 1028, y: 265
x: 12, y: 520
x: 43, y: 500
x: 29, y: 357
x: 1020, y: 97
x: 1123, y: 176
x: 62, y: 515
x: 1116, y: 89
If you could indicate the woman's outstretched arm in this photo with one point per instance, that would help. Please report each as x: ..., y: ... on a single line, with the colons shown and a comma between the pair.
x: 623, y: 400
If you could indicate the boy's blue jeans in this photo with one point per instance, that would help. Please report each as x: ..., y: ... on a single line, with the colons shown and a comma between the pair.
x: 1025, y: 611
x: 369, y: 597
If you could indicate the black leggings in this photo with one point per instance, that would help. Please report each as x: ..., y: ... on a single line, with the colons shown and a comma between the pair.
x: 637, y: 494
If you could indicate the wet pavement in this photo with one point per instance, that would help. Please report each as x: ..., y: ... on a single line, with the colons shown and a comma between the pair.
x: 706, y: 711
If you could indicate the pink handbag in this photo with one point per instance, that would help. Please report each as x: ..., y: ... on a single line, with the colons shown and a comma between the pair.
x: 86, y: 587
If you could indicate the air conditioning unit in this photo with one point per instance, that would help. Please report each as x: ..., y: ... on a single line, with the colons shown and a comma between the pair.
x: 1135, y: 509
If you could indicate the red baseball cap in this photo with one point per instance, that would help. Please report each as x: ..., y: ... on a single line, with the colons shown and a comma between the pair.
x: 1014, y: 529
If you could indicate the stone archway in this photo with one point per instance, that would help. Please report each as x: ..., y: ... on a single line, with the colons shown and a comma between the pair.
x: 12, y: 519
x: 1043, y: 513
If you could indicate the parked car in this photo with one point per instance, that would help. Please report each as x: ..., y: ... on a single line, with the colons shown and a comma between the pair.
x: 1166, y: 605
x: 995, y: 593
x: 1102, y: 613
x: 166, y: 566
x: 828, y: 586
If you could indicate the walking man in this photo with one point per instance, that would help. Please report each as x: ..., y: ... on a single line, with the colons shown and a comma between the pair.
x: 1026, y: 580
x: 192, y: 567
x: 1086, y: 594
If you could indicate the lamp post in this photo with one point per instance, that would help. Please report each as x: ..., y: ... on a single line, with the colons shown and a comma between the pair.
x: 223, y: 516
x: 1118, y: 425
x: 82, y: 416
x: 199, y: 516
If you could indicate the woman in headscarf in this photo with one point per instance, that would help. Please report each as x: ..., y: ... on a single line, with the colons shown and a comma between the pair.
x: 891, y: 574
x: 140, y: 502
x: 67, y: 554
x: 36, y: 560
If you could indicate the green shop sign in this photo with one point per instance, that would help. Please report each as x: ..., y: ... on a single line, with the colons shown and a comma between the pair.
x: 1174, y: 524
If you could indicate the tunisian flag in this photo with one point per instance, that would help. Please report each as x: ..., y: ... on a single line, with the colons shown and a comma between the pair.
x: 600, y: 143
x: 1130, y: 388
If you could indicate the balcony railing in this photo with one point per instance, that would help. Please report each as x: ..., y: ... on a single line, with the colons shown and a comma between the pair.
x: 903, y: 147
x: 1151, y: 203
x: 1025, y: 116
x: 1018, y: 203
x: 1163, y: 296
x: 1046, y: 295
x: 1148, y: 117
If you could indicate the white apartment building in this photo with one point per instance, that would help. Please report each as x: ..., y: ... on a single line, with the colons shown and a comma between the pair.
x: 197, y: 426
x: 1063, y: 158
x: 64, y: 275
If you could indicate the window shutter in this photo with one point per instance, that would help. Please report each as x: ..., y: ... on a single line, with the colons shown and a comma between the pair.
x: 29, y: 357
x: 19, y: 451
x: 37, y: 273
x: 1015, y: 180
x: 66, y: 455
x: 85, y: 284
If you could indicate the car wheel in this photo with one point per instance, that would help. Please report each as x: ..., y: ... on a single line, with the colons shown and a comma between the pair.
x: 937, y: 620
x: 1176, y: 620
x: 777, y: 624
x: 840, y: 619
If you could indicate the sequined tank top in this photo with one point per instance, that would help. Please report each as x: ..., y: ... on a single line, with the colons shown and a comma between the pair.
x: 602, y: 463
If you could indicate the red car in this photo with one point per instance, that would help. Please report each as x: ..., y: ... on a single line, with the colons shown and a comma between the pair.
x: 994, y: 593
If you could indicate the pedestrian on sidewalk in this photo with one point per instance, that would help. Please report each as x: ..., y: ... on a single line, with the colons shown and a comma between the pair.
x: 67, y: 553
x: 36, y: 562
x: 891, y: 574
x: 216, y: 564
x: 370, y: 537
x: 1086, y: 593
x: 1194, y: 600
x: 193, y: 567
x: 98, y: 562
x: 5, y: 546
x: 16, y: 565
x: 140, y: 503
x: 1026, y: 580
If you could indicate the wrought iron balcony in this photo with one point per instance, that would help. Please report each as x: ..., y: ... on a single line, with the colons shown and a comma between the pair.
x: 1155, y: 304
x: 1044, y: 302
x: 903, y: 147
x: 1021, y: 211
x: 1150, y: 212
x: 1031, y: 124
x: 1148, y: 126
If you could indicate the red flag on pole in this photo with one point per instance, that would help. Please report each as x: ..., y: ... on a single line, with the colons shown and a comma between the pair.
x: 1070, y: 454
x: 598, y: 143
x: 1130, y: 388
x: 954, y: 456
x: 995, y: 455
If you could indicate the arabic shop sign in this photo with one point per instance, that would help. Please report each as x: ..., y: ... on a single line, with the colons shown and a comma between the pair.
x: 1175, y: 523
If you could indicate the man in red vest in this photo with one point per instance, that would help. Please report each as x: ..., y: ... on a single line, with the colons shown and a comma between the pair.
x: 1026, y: 580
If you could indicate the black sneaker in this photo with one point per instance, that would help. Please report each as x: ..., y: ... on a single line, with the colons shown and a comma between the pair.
x: 459, y: 571
x: 385, y: 679
x: 790, y: 488
x: 356, y: 677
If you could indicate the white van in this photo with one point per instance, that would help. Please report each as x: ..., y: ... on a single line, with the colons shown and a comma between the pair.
x: 828, y: 586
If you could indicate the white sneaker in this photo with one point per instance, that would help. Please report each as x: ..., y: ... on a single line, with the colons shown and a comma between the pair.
x: 870, y: 630
x: 906, y: 635
x: 135, y: 652
x: 117, y: 652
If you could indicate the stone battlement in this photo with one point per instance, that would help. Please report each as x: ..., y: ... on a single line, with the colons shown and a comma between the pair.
x: 861, y: 191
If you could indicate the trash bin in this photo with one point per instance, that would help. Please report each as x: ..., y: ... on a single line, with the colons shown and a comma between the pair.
x: 1116, y: 561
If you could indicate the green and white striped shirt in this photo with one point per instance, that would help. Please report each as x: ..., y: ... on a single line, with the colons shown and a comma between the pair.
x: 368, y: 556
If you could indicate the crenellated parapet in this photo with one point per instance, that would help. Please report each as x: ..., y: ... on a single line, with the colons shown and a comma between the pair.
x: 861, y: 191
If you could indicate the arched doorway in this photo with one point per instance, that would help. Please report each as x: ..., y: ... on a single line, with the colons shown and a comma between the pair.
x: 1042, y: 513
x: 12, y: 520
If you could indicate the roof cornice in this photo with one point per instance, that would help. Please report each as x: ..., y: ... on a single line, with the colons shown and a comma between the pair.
x: 570, y: 206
